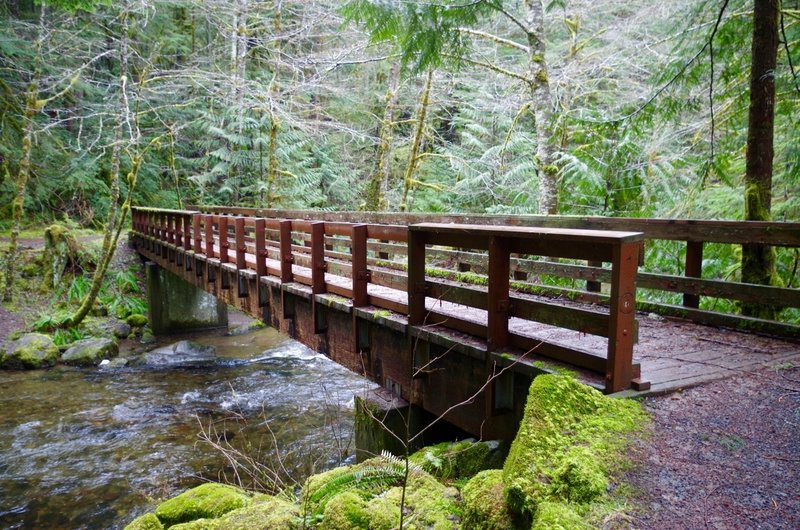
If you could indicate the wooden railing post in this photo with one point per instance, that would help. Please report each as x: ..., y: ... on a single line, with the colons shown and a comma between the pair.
x: 591, y: 285
x: 693, y: 269
x: 261, y: 262
x: 223, y: 239
x: 498, y: 304
x: 208, y: 222
x: 318, y: 266
x: 241, y: 253
x: 622, y: 315
x: 358, y: 257
x: 286, y: 251
x: 198, y: 239
x: 416, y: 277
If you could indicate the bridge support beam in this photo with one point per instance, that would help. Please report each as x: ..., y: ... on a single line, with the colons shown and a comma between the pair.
x: 176, y: 305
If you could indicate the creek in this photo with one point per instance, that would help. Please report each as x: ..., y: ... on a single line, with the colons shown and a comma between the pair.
x: 93, y: 448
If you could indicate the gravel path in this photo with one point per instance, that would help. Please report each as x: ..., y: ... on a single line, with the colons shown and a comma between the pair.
x: 725, y: 455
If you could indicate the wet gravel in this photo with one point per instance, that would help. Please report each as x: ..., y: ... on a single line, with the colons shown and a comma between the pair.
x: 725, y: 455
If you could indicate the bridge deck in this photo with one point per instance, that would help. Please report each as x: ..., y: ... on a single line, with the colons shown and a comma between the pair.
x: 673, y: 353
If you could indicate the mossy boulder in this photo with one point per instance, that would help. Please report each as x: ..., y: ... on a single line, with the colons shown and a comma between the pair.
x: 266, y: 513
x: 136, y: 320
x: 209, y: 501
x: 558, y: 516
x: 60, y: 248
x: 456, y: 460
x: 148, y: 521
x: 569, y: 441
x: 485, y: 503
x: 347, y: 511
x: 30, y: 351
x: 368, y: 496
x: 89, y: 352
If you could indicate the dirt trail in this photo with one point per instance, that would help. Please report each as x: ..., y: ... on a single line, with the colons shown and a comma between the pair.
x: 725, y: 455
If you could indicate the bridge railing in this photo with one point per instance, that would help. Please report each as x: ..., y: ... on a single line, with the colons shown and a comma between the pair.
x: 365, y: 262
x: 697, y: 283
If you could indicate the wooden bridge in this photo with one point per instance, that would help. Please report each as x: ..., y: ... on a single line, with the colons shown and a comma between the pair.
x: 446, y: 310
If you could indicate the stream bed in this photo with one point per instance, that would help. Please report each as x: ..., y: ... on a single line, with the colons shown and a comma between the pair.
x: 93, y: 448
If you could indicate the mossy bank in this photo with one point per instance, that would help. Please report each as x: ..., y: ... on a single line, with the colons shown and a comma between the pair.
x: 562, y: 472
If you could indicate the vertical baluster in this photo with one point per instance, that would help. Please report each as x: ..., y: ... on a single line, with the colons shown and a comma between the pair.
x: 693, y: 269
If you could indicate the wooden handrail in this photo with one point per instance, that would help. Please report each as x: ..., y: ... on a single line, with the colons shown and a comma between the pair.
x: 385, y: 241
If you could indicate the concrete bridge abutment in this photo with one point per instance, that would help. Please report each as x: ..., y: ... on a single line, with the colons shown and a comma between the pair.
x: 176, y: 305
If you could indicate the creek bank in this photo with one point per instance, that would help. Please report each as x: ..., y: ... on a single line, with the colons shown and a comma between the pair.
x: 561, y: 472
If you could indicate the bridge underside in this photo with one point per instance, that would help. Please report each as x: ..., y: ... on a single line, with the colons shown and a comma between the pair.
x: 436, y: 368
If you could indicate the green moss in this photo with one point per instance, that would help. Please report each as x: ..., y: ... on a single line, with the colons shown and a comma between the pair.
x: 485, y: 504
x: 381, y: 313
x: 570, y: 440
x: 455, y: 460
x: 205, y: 501
x: 383, y: 514
x: 268, y: 513
x: 136, y: 321
x: 30, y: 351
x: 148, y: 521
x: 346, y: 511
x: 557, y: 516
x: 428, y: 503
x: 579, y: 478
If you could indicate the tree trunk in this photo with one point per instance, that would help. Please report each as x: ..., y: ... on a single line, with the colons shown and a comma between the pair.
x: 376, y: 191
x: 542, y: 104
x: 419, y: 132
x: 24, y: 171
x: 758, y: 261
x: 112, y: 221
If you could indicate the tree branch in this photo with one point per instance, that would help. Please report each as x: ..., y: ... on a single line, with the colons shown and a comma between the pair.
x: 494, y: 38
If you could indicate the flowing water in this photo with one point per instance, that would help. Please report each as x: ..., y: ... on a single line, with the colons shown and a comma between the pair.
x: 92, y: 448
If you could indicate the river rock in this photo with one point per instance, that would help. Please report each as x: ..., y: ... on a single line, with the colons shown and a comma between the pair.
x: 30, y: 351
x: 121, y: 330
x: 136, y: 320
x: 184, y: 354
x: 89, y: 352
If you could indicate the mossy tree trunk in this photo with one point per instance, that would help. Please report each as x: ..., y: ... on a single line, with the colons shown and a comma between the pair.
x: 24, y: 171
x: 416, y: 143
x: 758, y: 261
x: 115, y: 218
x: 376, y: 190
x: 273, y: 165
x: 542, y: 104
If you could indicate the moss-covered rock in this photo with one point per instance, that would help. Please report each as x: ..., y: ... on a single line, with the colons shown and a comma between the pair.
x: 148, y: 521
x: 209, y: 500
x: 570, y: 438
x: 30, y: 351
x: 558, y: 516
x: 579, y: 478
x: 346, y: 511
x: 89, y: 352
x: 429, y: 504
x: 60, y: 248
x: 136, y: 320
x: 266, y: 513
x: 485, y: 503
x: 372, y: 492
x: 456, y: 460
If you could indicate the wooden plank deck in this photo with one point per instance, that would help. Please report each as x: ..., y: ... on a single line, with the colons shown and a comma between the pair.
x: 673, y: 353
